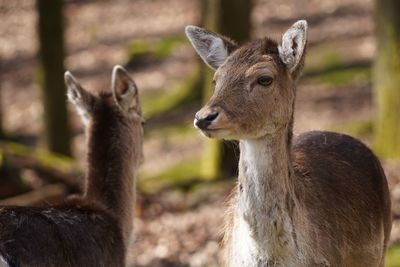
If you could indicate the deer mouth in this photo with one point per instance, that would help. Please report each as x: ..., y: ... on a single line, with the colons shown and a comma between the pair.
x: 213, y: 133
x: 212, y: 124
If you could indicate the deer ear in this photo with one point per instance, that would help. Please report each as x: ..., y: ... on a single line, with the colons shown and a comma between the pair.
x: 292, y: 49
x: 82, y: 99
x: 211, y: 47
x: 125, y: 91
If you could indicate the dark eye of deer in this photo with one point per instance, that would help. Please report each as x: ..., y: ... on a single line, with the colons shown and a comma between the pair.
x: 264, y: 80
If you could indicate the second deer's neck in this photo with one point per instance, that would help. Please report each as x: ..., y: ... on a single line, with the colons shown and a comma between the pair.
x: 110, y: 176
x: 266, y: 196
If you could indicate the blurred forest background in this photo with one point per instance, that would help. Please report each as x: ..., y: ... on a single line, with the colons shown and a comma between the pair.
x: 351, y: 84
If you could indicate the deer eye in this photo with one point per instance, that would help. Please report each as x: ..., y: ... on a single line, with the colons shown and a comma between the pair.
x: 264, y: 80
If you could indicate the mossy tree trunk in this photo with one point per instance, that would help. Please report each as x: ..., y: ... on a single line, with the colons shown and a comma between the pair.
x: 1, y: 111
x: 51, y: 74
x: 387, y: 78
x: 230, y: 18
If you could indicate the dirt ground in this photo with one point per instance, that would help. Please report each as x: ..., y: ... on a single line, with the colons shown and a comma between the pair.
x: 173, y: 229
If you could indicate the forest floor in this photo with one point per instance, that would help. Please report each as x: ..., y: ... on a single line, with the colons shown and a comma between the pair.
x: 182, y: 226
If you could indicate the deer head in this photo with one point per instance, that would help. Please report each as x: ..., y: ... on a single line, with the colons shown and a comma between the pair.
x: 254, y: 83
x: 115, y: 111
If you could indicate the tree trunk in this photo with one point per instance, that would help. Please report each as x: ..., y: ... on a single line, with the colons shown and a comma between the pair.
x: 2, y: 134
x: 230, y: 18
x: 234, y: 19
x: 387, y: 78
x: 51, y: 75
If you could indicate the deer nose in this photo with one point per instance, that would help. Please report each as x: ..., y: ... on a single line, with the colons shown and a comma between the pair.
x: 203, y: 123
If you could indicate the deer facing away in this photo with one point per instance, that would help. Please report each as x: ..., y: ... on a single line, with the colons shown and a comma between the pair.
x: 92, y: 230
x: 321, y: 200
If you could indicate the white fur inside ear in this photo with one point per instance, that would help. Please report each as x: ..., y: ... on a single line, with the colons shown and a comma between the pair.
x: 210, y: 47
x: 217, y: 52
x: 76, y: 99
x: 293, y: 44
x: 129, y: 101
x: 125, y: 92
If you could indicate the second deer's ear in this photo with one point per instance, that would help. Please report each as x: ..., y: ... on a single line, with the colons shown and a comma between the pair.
x: 292, y: 49
x: 212, y: 48
x: 125, y: 91
x: 82, y: 99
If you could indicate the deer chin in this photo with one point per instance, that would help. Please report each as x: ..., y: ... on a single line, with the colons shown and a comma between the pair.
x: 222, y: 133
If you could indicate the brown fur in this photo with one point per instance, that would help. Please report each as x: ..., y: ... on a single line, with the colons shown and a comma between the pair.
x: 347, y: 198
x: 92, y: 230
x: 321, y: 201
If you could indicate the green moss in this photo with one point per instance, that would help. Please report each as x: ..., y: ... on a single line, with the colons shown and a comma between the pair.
x: 177, y: 176
x: 2, y: 160
x: 142, y: 50
x: 159, y: 102
x: 393, y: 256
x: 331, y: 64
x: 387, y: 80
x: 356, y: 128
x: 357, y: 75
x: 166, y: 45
x: 322, y: 59
x: 14, y: 155
x: 44, y: 158
x: 212, y: 159
x: 172, y: 131
x: 138, y: 50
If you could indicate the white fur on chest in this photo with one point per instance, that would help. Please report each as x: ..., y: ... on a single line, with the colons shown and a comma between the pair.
x: 247, y: 252
x: 244, y: 251
x: 263, y: 229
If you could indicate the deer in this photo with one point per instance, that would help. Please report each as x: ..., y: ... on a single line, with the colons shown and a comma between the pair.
x: 316, y: 199
x: 93, y: 229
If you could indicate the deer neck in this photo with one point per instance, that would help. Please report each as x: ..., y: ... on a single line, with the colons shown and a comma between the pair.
x: 111, y: 178
x: 266, y: 194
